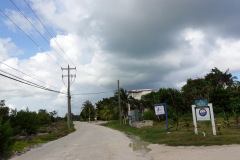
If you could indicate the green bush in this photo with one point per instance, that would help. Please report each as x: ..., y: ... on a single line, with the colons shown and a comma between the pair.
x: 44, y: 118
x: 27, y: 121
x: 6, y: 142
x: 149, y: 115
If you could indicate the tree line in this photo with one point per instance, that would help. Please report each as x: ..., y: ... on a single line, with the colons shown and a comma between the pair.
x: 220, y: 88
x: 15, y: 123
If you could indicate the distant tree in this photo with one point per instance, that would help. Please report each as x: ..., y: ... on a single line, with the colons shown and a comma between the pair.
x: 106, y: 112
x: 44, y: 117
x: 219, y: 79
x: 221, y: 100
x: 87, y: 109
x: 195, y: 89
x: 2, y: 103
x: 4, y: 111
x: 53, y: 115
x: 109, y: 105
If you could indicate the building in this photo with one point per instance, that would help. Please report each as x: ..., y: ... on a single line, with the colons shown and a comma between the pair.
x: 136, y: 115
x: 137, y: 94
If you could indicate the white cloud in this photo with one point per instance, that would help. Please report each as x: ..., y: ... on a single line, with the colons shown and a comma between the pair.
x: 136, y: 42
x: 8, y: 49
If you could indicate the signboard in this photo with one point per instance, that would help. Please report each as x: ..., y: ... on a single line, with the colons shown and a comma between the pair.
x: 159, y: 110
x: 203, y: 114
x: 201, y: 103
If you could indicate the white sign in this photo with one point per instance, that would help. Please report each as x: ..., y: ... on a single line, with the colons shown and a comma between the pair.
x: 159, y: 110
x: 203, y: 114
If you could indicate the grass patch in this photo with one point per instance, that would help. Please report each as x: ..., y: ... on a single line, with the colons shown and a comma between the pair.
x: 23, y: 145
x: 157, y: 134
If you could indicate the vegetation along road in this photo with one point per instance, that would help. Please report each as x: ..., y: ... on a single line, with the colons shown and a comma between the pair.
x: 91, y: 141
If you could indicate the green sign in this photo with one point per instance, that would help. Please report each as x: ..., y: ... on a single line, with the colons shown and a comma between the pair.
x: 201, y: 103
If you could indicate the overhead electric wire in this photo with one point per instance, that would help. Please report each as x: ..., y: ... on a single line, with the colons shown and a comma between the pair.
x: 28, y: 83
x: 30, y: 38
x: 18, y: 77
x: 22, y: 72
x: 48, y: 31
x: 38, y: 31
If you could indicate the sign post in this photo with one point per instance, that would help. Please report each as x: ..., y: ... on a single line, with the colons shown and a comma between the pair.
x: 159, y: 110
x: 203, y: 111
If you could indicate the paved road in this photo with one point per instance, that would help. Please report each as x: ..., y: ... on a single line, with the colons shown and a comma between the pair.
x: 88, y: 142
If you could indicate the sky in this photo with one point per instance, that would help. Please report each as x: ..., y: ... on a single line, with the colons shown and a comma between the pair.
x: 143, y: 44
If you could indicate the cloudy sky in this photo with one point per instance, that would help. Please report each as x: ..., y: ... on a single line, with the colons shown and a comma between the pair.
x: 143, y: 43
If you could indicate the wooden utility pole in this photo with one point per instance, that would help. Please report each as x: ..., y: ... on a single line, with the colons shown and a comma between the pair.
x: 69, y: 114
x: 89, y: 113
x: 119, y: 104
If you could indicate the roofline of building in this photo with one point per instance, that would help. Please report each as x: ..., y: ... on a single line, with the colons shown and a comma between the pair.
x: 142, y: 90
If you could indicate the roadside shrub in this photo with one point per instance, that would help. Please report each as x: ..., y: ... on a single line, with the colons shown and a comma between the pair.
x: 4, y: 113
x: 6, y: 142
x: 44, y: 118
x: 149, y: 115
x: 27, y: 121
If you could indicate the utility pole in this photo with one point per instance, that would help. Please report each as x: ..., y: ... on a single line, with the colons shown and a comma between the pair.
x: 89, y: 113
x: 69, y: 114
x: 119, y: 104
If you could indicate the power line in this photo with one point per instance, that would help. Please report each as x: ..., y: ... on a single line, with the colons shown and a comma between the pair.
x: 48, y: 31
x: 31, y: 84
x: 30, y: 38
x: 22, y: 72
x: 38, y: 31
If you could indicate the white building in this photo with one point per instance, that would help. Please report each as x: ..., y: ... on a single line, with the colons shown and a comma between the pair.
x: 137, y: 94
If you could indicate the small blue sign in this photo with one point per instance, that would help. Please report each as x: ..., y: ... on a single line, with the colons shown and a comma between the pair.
x: 201, y: 103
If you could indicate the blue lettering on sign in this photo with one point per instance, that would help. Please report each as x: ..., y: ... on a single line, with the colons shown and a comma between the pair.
x: 202, y: 112
x: 201, y: 103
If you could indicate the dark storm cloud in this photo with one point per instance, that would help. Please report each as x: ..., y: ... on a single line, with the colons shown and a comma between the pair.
x: 143, y: 28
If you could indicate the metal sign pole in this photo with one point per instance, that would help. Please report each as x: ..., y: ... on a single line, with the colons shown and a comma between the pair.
x: 166, y: 117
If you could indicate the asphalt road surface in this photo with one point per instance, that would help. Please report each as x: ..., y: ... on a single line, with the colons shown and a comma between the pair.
x: 88, y: 142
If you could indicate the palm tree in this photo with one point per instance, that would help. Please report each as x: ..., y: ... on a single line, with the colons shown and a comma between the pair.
x: 87, y: 110
x: 124, y: 100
